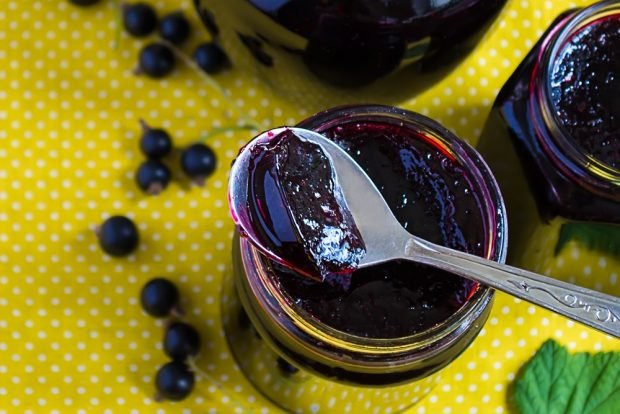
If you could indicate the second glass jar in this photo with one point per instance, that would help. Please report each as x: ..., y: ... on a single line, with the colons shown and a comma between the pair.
x: 553, y: 141
x: 330, y: 52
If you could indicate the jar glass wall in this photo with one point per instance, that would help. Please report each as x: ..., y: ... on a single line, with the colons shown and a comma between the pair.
x: 325, y: 53
x: 300, y: 357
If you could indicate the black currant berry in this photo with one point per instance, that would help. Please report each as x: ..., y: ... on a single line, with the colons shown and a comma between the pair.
x: 160, y: 298
x: 155, y: 143
x: 153, y: 177
x: 210, y: 57
x: 181, y: 341
x: 156, y: 60
x: 118, y: 236
x: 174, y: 381
x: 198, y: 162
x: 175, y: 28
x: 139, y: 19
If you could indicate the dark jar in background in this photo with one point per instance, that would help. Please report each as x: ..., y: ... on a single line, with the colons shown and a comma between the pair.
x: 553, y: 142
x: 379, y: 344
x: 329, y: 52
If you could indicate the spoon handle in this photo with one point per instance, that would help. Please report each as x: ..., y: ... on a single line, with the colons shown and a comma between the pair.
x: 592, y: 308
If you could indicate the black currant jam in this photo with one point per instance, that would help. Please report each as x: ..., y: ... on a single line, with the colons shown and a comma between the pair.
x: 351, y: 44
x: 356, y: 42
x: 382, y: 333
x: 432, y: 196
x: 585, y: 89
x: 297, y: 208
x: 553, y: 142
x: 560, y: 110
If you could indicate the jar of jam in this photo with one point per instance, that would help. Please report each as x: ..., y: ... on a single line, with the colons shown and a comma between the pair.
x: 553, y: 142
x: 381, y: 340
x: 326, y: 52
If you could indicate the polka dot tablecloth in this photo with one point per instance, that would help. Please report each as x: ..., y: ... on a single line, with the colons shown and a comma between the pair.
x: 72, y: 335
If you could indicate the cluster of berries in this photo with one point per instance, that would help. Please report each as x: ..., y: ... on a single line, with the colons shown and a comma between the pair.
x: 157, y: 59
x: 118, y: 235
x: 174, y: 380
x: 198, y: 161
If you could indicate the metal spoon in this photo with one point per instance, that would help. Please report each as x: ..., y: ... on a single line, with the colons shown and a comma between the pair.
x: 387, y: 240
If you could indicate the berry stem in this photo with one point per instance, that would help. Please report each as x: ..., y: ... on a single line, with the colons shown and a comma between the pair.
x: 245, y: 118
x: 155, y: 188
x: 274, y: 87
x: 145, y: 127
x: 222, y: 130
x: 177, y: 312
x: 189, y: 62
x: 194, y: 367
x: 199, y: 181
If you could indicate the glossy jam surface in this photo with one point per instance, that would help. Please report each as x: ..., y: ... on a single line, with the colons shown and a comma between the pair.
x: 585, y: 89
x: 432, y: 195
x: 516, y: 127
x: 297, y: 208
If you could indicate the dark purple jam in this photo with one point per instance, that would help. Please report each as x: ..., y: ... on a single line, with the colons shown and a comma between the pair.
x: 585, y: 88
x: 297, y: 208
x: 433, y: 197
x: 516, y: 136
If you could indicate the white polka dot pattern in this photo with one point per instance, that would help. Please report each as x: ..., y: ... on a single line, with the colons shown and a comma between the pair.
x: 72, y: 335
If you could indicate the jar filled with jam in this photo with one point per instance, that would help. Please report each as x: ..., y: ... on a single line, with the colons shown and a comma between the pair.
x: 327, y: 52
x: 379, y: 339
x: 553, y: 142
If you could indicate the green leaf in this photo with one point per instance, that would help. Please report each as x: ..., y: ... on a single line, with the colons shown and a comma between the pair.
x: 557, y: 382
x: 594, y: 236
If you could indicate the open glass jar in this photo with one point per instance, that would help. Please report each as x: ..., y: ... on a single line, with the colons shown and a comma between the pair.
x: 381, y: 342
x: 553, y: 142
x: 326, y: 52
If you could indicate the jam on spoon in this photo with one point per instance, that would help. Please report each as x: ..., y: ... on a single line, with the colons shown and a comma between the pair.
x: 297, y: 208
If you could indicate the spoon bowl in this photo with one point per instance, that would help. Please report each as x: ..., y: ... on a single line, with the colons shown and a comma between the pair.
x: 283, y: 197
x: 238, y: 196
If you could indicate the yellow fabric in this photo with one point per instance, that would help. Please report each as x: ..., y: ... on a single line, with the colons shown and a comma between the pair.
x: 72, y: 334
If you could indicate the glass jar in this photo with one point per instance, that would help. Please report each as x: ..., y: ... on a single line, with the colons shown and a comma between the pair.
x: 303, y: 361
x: 327, y: 52
x: 561, y: 186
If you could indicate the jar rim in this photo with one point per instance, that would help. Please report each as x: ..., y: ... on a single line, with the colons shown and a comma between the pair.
x: 585, y: 169
x: 496, y: 240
